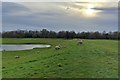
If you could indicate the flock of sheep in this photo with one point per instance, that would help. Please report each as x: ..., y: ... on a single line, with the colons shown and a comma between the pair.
x: 80, y: 42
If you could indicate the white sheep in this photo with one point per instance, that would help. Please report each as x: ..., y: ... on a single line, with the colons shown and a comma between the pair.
x: 17, y: 57
x: 57, y: 47
x: 80, y: 42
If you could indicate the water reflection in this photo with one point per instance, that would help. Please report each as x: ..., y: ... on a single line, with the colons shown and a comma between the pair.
x: 22, y: 47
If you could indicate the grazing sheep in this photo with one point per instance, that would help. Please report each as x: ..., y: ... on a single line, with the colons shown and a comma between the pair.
x: 17, y: 57
x: 57, y: 47
x: 80, y: 42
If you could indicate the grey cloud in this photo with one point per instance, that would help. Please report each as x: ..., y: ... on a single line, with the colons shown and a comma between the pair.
x: 8, y: 7
x: 107, y: 9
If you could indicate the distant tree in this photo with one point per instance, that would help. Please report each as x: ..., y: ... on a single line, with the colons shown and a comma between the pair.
x: 52, y: 34
x: 61, y: 34
x: 44, y: 33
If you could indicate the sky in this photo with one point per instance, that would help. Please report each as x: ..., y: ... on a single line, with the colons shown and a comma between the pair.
x: 57, y: 16
x: 60, y: 0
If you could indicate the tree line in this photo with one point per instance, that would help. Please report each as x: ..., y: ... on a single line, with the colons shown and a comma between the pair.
x: 44, y: 33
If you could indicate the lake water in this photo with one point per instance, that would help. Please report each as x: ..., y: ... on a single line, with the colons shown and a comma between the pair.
x: 12, y: 47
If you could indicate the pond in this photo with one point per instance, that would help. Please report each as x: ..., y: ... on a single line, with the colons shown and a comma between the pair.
x: 12, y: 47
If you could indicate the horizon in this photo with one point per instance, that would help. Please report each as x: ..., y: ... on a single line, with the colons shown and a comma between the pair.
x: 61, y: 31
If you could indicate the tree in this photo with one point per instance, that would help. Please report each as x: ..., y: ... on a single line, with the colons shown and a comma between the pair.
x: 44, y: 33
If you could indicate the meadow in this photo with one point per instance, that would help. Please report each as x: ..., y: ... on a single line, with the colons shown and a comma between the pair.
x: 92, y: 59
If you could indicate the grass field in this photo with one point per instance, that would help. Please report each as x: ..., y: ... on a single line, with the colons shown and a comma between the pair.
x: 92, y: 59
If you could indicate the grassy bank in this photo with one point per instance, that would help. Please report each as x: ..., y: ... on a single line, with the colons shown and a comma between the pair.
x: 92, y: 59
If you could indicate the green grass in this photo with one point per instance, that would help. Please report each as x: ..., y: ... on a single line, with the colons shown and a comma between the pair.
x: 93, y: 59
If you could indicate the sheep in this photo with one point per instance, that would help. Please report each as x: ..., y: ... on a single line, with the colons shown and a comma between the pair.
x: 17, y: 57
x: 80, y: 42
x: 57, y: 47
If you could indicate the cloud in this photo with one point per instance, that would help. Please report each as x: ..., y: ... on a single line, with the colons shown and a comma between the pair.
x: 55, y: 16
x: 8, y: 7
x: 60, y: 0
